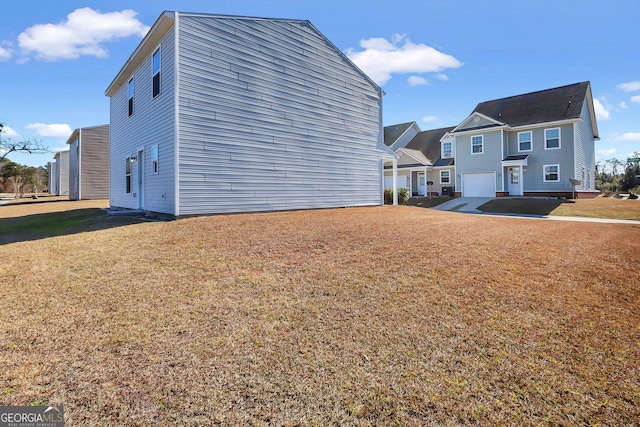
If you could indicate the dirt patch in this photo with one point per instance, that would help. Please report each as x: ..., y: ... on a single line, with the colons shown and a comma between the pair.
x: 368, y: 316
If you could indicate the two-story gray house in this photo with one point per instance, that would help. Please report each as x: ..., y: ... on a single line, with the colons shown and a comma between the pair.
x: 215, y: 114
x: 536, y: 144
x: 89, y: 163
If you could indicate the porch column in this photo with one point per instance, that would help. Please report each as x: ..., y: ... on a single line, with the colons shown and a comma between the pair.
x: 522, y: 180
x: 426, y: 179
x: 395, y: 182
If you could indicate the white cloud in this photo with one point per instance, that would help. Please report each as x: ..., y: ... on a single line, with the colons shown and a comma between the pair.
x: 430, y: 119
x: 607, y: 153
x: 382, y: 58
x: 602, y: 112
x: 635, y: 99
x: 83, y: 33
x: 5, y: 54
x: 629, y: 136
x: 442, y: 77
x: 8, y: 132
x: 54, y: 130
x: 623, y: 105
x: 630, y: 86
x: 417, y: 81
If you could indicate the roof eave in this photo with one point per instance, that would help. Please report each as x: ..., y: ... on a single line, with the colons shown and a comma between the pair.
x: 150, y: 40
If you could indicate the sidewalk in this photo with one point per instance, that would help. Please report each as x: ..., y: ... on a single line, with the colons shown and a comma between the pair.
x: 471, y: 204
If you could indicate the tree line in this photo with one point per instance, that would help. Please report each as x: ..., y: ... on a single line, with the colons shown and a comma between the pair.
x: 20, y: 179
x: 617, y: 176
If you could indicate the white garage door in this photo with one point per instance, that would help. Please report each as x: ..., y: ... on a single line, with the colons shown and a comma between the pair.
x: 478, y: 185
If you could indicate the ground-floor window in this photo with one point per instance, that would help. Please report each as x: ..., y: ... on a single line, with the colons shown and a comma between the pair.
x: 445, y: 177
x: 551, y: 173
x: 127, y: 175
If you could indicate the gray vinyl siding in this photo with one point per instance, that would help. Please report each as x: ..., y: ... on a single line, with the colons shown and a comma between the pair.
x: 53, y: 177
x: 470, y: 124
x: 534, y: 176
x: 585, y: 151
x: 272, y: 117
x: 74, y: 169
x: 153, y: 122
x: 62, y: 173
x: 94, y: 163
x: 488, y: 161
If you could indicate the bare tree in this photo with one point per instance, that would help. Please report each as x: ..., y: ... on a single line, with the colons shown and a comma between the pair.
x: 17, y: 182
x: 9, y: 145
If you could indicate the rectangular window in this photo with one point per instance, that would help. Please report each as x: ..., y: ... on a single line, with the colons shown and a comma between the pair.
x: 477, y: 144
x: 156, y: 73
x: 524, y: 141
x: 447, y: 150
x: 127, y: 175
x: 551, y: 138
x: 445, y: 177
x: 551, y: 173
x: 154, y: 159
x: 131, y: 97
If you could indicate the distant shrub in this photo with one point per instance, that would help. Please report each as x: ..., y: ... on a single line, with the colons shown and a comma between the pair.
x: 633, y: 196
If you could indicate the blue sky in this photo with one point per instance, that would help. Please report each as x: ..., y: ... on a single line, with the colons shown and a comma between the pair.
x: 434, y: 59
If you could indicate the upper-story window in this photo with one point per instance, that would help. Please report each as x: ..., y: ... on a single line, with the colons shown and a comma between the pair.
x: 131, y: 97
x: 477, y: 144
x: 156, y: 72
x: 447, y: 150
x: 524, y: 141
x: 551, y: 138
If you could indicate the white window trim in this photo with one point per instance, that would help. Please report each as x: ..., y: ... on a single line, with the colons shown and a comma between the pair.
x: 451, y: 151
x: 544, y: 173
x: 449, y: 177
x: 153, y: 75
x: 155, y: 158
x: 530, y: 141
x: 481, y: 144
x: 559, y: 139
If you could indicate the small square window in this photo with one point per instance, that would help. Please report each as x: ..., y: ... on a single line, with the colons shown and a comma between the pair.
x: 551, y: 173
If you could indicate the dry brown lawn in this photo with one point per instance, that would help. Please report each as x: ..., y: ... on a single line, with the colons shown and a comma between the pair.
x: 369, y: 316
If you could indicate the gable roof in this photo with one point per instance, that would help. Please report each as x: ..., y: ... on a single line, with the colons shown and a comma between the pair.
x: 167, y: 19
x: 544, y: 106
x: 393, y: 132
x: 428, y: 143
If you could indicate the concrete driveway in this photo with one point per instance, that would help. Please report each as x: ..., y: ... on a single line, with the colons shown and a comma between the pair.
x: 463, y: 204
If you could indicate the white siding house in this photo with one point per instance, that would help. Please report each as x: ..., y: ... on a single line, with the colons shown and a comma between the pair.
x: 215, y: 114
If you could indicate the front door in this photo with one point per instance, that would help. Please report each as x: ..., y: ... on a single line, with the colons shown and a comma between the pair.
x: 514, y: 181
x: 422, y: 184
x: 141, y: 179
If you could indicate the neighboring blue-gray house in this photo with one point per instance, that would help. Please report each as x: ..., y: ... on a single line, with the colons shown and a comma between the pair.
x: 536, y: 144
x: 61, y: 170
x: 89, y: 163
x: 215, y: 114
x: 425, y: 159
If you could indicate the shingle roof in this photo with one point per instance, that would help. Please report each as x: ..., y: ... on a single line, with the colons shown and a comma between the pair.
x: 550, y: 105
x: 393, y: 132
x: 428, y: 142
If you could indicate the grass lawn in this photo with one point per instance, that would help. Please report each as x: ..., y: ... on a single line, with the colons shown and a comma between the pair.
x: 592, y: 208
x: 368, y: 316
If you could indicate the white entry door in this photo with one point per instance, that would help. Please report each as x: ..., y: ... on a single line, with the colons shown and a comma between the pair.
x: 514, y: 181
x: 422, y: 184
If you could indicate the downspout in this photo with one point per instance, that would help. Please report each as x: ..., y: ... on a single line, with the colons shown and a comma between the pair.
x: 176, y: 120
